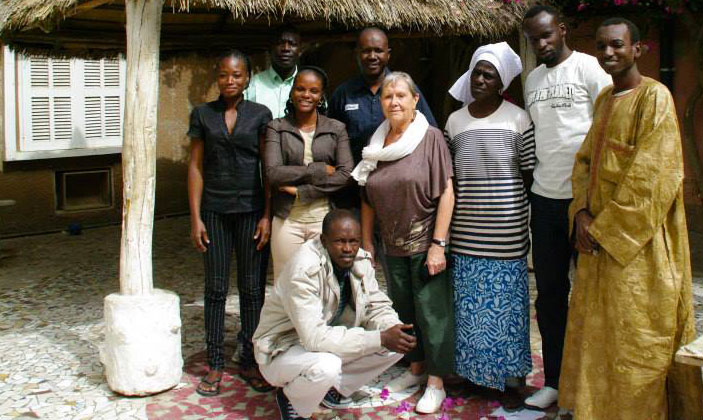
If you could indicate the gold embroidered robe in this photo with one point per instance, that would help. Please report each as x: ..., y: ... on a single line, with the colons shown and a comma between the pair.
x: 631, y: 305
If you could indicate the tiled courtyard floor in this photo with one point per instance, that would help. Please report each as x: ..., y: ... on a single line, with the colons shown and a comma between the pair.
x: 51, y: 297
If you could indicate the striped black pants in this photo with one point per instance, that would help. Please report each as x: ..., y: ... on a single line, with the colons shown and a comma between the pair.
x: 227, y: 233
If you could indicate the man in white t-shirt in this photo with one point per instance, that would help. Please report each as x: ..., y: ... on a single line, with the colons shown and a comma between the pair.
x: 559, y: 96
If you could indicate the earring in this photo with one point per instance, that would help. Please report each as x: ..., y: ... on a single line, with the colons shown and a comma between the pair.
x: 319, y: 104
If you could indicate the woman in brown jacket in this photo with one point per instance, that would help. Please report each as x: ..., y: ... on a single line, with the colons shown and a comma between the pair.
x: 307, y: 159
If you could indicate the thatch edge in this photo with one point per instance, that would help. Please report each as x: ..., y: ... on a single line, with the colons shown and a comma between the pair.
x: 484, y: 18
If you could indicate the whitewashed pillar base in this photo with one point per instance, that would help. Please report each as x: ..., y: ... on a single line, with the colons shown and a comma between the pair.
x: 142, y: 348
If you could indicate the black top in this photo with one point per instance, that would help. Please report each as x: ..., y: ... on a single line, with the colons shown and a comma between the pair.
x: 359, y: 109
x: 231, y: 162
x: 345, y: 292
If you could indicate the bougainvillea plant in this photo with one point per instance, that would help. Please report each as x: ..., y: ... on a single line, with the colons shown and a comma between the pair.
x: 658, y: 6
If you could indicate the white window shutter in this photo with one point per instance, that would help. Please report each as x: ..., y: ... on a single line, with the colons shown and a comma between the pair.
x: 46, y: 104
x: 70, y: 103
x: 40, y: 120
x: 104, y: 99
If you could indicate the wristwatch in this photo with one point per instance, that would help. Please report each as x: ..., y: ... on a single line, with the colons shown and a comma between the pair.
x: 440, y: 242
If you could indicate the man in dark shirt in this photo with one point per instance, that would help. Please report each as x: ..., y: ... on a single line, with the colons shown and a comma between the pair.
x: 357, y: 102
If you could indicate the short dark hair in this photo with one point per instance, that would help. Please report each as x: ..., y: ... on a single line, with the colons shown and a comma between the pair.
x: 370, y: 29
x: 322, y: 108
x: 236, y: 54
x: 284, y: 29
x: 539, y: 8
x: 333, y: 216
x: 631, y: 27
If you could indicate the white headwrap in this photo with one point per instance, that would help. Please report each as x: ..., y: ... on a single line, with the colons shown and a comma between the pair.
x: 503, y: 58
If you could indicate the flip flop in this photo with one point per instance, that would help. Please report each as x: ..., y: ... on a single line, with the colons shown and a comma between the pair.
x: 212, y: 392
x: 256, y: 382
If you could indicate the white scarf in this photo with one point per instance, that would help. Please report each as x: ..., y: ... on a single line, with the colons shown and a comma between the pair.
x: 375, y: 151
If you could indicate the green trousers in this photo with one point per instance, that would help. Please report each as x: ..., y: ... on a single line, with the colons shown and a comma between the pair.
x: 428, y: 304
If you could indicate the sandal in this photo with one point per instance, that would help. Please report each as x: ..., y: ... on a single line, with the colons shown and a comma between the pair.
x: 213, y: 384
x: 253, y: 377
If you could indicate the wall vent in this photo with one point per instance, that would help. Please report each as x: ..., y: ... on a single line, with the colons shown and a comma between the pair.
x: 84, y: 190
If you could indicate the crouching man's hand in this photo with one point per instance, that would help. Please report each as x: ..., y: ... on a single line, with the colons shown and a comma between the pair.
x: 394, y: 339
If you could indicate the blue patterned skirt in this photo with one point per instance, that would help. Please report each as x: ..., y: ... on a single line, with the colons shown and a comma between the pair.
x: 492, y: 318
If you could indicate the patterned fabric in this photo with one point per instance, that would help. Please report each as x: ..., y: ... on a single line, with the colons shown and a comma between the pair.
x: 631, y: 308
x: 492, y: 323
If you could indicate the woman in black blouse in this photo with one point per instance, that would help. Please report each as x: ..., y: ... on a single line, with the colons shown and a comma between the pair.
x: 229, y: 212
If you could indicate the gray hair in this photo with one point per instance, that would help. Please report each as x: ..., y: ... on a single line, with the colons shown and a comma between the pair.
x: 398, y: 76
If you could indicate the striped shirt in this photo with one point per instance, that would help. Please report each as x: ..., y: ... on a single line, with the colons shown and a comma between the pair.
x: 491, y: 211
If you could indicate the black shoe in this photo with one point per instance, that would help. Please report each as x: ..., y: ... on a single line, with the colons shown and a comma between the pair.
x: 285, y: 407
x: 333, y: 399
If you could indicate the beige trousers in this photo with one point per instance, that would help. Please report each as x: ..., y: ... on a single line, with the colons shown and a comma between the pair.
x: 306, y: 376
x: 286, y: 237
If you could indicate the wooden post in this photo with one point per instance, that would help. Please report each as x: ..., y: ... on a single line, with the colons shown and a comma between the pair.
x: 529, y: 60
x: 142, y: 348
x: 139, y: 148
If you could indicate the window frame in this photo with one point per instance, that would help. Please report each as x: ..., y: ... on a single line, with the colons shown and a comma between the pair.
x: 13, y: 103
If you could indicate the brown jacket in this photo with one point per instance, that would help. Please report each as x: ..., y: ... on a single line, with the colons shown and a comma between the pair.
x: 284, y: 161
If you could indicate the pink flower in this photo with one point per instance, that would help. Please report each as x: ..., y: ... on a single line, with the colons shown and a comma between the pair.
x: 460, y: 401
x: 493, y: 404
x: 581, y: 7
x: 384, y: 394
x: 447, y: 404
x: 444, y: 416
x: 404, y: 407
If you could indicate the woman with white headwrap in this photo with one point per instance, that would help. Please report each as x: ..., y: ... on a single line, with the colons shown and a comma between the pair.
x: 492, y: 144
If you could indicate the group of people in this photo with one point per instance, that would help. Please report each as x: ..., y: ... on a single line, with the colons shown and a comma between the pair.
x: 337, y: 188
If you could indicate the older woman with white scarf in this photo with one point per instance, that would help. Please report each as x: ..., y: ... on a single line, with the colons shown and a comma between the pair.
x: 493, y: 147
x: 406, y: 175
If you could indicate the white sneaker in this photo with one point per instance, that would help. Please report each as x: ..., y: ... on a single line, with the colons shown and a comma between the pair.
x: 543, y: 398
x: 431, y: 400
x: 405, y: 381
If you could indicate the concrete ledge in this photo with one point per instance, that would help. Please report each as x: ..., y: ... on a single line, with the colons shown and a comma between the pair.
x: 691, y: 354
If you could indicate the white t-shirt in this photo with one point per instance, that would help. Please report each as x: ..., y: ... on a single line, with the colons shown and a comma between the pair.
x: 560, y: 102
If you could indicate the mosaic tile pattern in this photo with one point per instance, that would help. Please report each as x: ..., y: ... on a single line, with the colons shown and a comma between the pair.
x: 51, y: 298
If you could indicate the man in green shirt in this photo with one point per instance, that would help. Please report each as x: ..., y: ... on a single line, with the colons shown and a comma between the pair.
x: 272, y: 86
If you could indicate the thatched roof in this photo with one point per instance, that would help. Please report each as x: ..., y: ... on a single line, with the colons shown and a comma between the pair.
x: 484, y: 18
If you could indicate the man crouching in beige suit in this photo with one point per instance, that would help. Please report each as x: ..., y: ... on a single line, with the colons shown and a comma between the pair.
x: 327, y: 329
